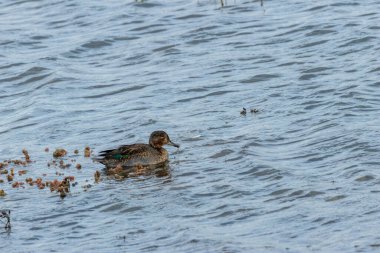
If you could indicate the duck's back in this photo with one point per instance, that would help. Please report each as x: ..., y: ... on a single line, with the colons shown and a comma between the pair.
x: 132, y: 155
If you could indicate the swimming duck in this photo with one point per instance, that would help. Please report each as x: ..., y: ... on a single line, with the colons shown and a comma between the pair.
x: 139, y: 154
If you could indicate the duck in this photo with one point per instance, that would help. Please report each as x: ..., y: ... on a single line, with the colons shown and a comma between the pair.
x: 139, y: 154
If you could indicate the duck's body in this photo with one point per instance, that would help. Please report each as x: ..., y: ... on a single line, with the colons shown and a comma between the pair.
x: 139, y: 154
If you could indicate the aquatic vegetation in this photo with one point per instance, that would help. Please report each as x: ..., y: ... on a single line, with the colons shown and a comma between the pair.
x: 97, y: 176
x: 27, y: 157
x: 61, y: 187
x: 29, y: 181
x: 59, y: 152
x: 59, y: 163
x: 87, y: 152
x: 9, y: 178
x: 22, y: 172
x: 64, y: 165
x: 17, y: 184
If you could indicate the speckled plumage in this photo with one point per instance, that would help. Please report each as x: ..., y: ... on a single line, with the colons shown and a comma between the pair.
x: 139, y: 154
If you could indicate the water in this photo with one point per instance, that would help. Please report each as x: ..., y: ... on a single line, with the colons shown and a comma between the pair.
x: 301, y: 175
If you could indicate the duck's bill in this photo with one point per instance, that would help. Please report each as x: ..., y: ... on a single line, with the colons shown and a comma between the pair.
x: 173, y: 144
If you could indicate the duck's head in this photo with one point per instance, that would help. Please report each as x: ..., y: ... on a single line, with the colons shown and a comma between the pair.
x: 159, y: 138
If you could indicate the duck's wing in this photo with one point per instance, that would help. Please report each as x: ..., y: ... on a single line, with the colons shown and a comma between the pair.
x: 123, y: 152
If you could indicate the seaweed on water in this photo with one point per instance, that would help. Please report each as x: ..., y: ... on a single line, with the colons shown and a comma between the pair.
x: 27, y: 157
x: 97, y: 176
x: 87, y: 151
x: 59, y: 152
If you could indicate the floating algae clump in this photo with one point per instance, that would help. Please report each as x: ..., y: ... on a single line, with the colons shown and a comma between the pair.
x: 2, y: 193
x: 97, y: 176
x: 59, y: 152
x: 87, y: 152
x: 27, y: 157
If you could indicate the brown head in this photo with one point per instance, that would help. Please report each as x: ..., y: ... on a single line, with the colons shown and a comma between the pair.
x: 159, y: 138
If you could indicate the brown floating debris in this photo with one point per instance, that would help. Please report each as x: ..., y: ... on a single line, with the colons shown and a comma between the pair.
x: 38, y: 182
x: 62, y: 187
x: 54, y: 185
x: 59, y: 152
x: 22, y: 172
x: 17, y: 184
x: 2, y: 193
x: 62, y: 165
x: 10, y: 178
x: 29, y: 181
x: 27, y: 157
x: 58, y: 186
x: 18, y: 162
x: 97, y: 176
x: 87, y: 152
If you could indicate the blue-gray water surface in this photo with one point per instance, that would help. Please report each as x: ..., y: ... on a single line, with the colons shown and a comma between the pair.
x: 301, y: 175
